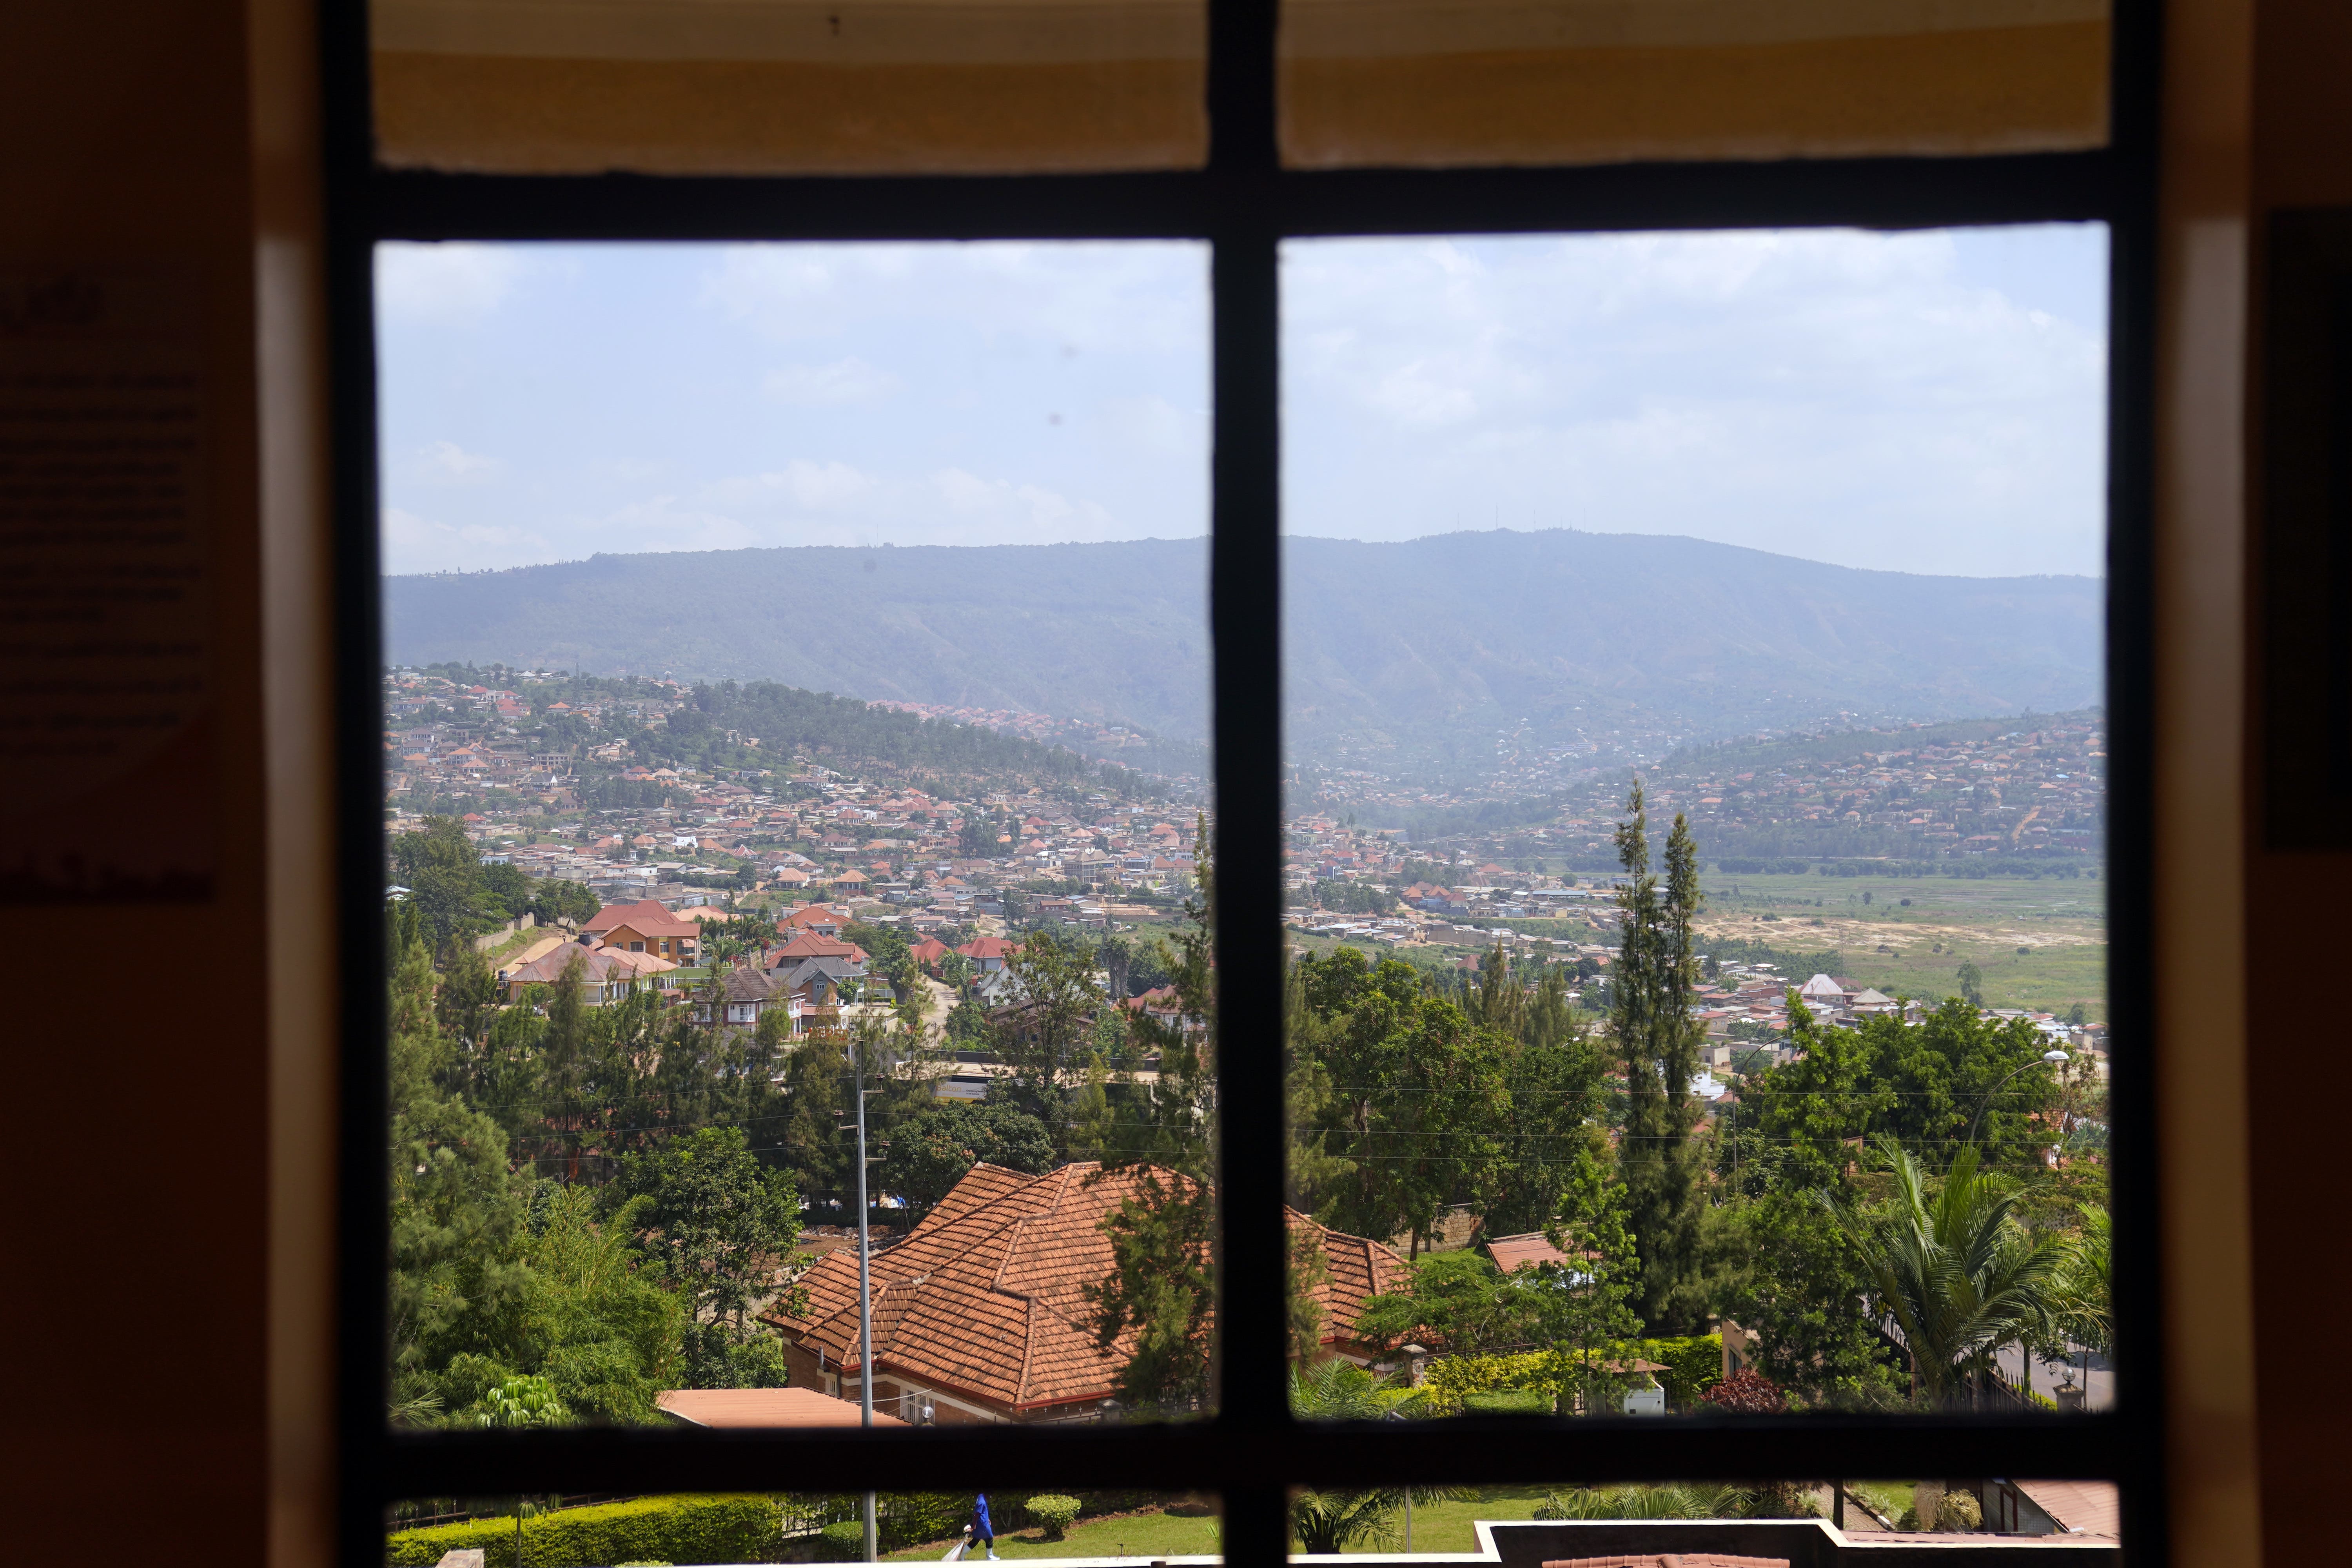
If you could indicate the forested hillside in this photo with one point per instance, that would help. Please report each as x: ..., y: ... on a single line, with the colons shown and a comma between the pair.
x: 1425, y: 658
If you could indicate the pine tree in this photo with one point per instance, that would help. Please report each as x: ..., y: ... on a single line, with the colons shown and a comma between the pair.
x: 1657, y: 1039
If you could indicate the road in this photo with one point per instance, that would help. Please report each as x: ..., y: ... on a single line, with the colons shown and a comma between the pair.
x: 2099, y: 1385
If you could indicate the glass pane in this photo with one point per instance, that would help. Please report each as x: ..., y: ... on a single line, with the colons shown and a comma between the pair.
x: 797, y: 680
x: 600, y: 1531
x: 789, y: 86
x: 1696, y: 852
x: 1543, y: 81
x: 1572, y: 1525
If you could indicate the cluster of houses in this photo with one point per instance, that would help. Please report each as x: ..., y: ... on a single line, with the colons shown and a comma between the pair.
x: 810, y: 972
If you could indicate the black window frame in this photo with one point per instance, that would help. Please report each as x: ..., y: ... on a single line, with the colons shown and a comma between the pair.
x: 1244, y: 203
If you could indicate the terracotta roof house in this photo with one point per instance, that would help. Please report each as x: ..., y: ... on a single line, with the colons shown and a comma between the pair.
x: 762, y: 1407
x: 611, y: 915
x: 817, y: 918
x: 749, y: 991
x: 987, y: 952
x: 809, y: 944
x: 813, y: 988
x: 980, y: 1314
x: 664, y: 935
x: 606, y: 974
x: 1512, y: 1252
x: 929, y: 952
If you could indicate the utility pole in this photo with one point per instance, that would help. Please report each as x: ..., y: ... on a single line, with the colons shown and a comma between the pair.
x: 865, y: 1285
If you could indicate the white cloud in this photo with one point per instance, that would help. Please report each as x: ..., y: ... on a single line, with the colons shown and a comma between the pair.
x: 452, y: 282
x: 446, y: 462
x: 1089, y: 297
x: 1843, y: 397
x: 848, y: 380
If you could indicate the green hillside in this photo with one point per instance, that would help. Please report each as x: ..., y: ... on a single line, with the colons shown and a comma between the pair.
x: 1427, y: 658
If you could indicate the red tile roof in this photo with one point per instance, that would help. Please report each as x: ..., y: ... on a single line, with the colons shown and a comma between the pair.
x: 809, y: 944
x: 987, y: 1295
x: 2096, y: 1508
x: 1528, y: 1251
x: 762, y: 1408
x: 647, y: 917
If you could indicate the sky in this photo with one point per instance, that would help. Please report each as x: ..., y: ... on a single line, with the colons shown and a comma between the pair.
x: 1928, y: 402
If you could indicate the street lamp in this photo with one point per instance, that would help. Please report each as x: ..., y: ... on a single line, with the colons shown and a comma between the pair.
x: 2053, y: 1056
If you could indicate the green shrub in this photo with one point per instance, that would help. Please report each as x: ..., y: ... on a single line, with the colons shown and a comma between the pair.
x: 1054, y: 1511
x: 844, y: 1542
x: 1507, y: 1401
x: 1958, y: 1512
x: 687, y: 1529
x: 1454, y: 1378
x: 1694, y: 1364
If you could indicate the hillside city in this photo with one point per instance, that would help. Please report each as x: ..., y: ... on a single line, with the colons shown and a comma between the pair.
x: 1601, y: 1101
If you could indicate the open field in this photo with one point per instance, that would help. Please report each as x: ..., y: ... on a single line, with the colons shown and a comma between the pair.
x: 1916, y: 951
x: 1913, y: 949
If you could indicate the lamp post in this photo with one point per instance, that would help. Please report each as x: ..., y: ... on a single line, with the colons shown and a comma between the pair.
x: 2052, y: 1057
x: 865, y: 1285
x: 856, y: 1047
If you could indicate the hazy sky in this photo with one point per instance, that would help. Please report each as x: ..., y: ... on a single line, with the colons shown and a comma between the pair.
x: 1927, y: 402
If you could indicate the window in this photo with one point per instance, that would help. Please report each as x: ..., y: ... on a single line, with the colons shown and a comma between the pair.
x: 1244, y: 206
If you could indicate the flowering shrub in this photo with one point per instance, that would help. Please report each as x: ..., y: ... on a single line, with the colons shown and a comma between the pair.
x: 1746, y: 1393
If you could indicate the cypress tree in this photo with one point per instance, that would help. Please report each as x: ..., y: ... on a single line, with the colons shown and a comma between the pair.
x: 1657, y: 1039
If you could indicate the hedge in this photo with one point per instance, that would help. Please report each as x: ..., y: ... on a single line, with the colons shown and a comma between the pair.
x: 1508, y: 1401
x: 1692, y: 1366
x: 696, y: 1528
x: 693, y: 1528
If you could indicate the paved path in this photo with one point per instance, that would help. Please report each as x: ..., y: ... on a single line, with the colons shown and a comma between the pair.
x: 2099, y: 1386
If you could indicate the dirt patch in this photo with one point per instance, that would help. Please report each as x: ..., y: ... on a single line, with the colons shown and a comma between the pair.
x: 1836, y: 931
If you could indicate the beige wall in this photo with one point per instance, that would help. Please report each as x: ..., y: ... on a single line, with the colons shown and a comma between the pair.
x: 175, y: 1238
x: 167, y: 1290
x: 2301, y: 99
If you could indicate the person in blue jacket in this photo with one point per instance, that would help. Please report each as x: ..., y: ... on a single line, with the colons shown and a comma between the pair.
x: 983, y: 1531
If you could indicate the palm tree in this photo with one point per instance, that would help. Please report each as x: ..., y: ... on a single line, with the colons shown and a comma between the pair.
x: 1337, y: 1389
x: 2082, y: 1309
x: 1953, y: 1267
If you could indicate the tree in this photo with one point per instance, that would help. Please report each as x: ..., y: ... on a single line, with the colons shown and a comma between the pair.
x: 1160, y: 1292
x: 934, y: 1148
x: 554, y: 899
x: 1971, y: 981
x: 1048, y: 1031
x: 1416, y: 1108
x: 443, y: 873
x: 2081, y: 1295
x: 1923, y: 1084
x: 720, y: 1227
x: 455, y: 1284
x: 1599, y: 1288
x: 1788, y: 1275
x: 1162, y: 1286
x: 1467, y: 1305
x: 597, y: 1327
x: 1657, y: 1039
x: 1552, y: 1089
x: 1953, y: 1267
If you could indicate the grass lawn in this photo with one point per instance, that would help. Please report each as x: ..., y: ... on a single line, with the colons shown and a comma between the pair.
x: 1446, y: 1526
x: 1116, y: 1535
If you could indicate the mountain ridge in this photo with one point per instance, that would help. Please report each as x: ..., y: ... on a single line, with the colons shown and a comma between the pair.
x: 1429, y: 656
